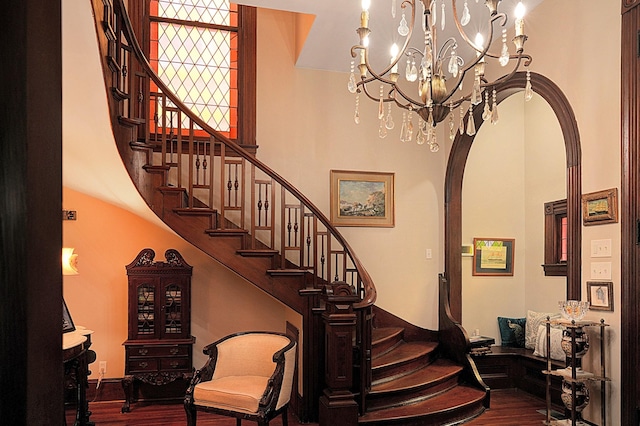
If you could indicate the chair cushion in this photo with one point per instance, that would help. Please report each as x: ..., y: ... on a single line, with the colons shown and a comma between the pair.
x: 248, y: 354
x: 236, y: 393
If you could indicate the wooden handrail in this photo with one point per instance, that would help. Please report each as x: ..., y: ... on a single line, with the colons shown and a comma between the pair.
x: 368, y: 288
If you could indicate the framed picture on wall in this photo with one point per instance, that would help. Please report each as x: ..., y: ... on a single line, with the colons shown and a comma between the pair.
x: 493, y: 256
x: 600, y: 295
x: 362, y: 198
x: 600, y: 207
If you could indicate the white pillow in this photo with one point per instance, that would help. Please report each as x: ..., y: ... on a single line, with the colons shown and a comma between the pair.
x: 534, y: 319
x: 556, y: 343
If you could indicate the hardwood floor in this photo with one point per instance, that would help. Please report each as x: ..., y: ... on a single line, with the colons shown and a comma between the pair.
x: 508, y: 407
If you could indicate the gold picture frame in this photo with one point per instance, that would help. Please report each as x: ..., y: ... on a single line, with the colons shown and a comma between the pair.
x: 600, y: 295
x: 600, y: 207
x: 362, y: 198
x: 493, y: 256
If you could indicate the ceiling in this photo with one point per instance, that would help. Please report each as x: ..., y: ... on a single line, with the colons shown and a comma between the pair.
x: 333, y: 33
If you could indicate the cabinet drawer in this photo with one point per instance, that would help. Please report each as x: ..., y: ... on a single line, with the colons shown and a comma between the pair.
x: 139, y: 365
x: 175, y: 364
x: 156, y: 351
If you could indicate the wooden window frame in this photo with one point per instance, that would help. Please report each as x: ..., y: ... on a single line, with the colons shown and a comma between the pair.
x: 554, y: 212
x: 247, y: 65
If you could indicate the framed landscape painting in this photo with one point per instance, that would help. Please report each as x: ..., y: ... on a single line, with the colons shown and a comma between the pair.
x: 362, y: 198
x: 600, y: 207
x: 493, y: 256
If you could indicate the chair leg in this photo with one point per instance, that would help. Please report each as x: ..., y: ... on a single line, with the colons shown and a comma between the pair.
x: 238, y: 422
x: 191, y: 416
x: 285, y: 417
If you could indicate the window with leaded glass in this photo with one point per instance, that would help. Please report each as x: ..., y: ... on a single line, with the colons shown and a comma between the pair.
x: 194, y: 49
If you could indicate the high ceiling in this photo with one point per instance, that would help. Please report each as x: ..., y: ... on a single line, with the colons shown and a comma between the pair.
x: 328, y: 45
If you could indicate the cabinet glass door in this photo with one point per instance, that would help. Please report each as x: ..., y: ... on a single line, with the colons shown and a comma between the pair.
x: 146, y: 310
x: 173, y: 317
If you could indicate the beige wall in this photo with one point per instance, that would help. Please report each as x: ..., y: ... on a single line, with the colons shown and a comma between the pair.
x: 512, y: 170
x: 306, y: 129
x: 587, y: 70
x: 106, y: 238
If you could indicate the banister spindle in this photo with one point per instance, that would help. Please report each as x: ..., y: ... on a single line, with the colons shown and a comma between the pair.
x: 266, y: 204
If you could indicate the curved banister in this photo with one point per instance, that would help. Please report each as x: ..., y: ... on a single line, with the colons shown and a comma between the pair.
x: 369, y: 291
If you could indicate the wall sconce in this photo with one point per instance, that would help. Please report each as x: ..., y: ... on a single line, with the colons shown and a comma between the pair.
x: 69, y: 261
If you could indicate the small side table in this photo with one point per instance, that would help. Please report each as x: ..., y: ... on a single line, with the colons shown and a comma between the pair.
x: 481, y: 345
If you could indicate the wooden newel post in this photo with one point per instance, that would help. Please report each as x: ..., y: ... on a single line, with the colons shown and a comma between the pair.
x: 337, y: 404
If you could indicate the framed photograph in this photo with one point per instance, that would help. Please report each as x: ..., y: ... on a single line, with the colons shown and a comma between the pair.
x: 362, y: 198
x: 67, y: 322
x: 600, y: 295
x: 493, y: 256
x: 600, y: 207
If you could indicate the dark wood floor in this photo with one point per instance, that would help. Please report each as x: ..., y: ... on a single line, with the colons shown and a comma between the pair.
x: 508, y: 407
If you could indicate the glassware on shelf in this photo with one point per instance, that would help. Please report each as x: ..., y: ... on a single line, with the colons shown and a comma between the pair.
x: 573, y: 310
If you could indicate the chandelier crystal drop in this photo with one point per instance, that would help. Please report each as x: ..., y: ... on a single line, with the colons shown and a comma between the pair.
x: 437, y: 62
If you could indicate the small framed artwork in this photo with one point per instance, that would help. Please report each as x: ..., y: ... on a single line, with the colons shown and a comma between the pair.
x: 493, y: 256
x: 362, y: 198
x: 600, y: 295
x: 600, y: 207
x: 67, y: 322
x: 467, y: 250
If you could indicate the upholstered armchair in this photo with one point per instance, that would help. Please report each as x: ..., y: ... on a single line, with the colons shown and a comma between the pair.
x: 247, y: 376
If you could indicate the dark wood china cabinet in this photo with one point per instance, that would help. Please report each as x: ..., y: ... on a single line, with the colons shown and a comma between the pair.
x: 158, y: 351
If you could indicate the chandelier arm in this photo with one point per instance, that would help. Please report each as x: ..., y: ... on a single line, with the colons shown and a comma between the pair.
x: 394, y: 88
x: 408, y: 98
x: 506, y: 77
x: 467, y: 40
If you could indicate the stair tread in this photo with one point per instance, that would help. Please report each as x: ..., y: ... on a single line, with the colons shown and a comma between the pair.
x: 456, y: 398
x: 403, y: 353
x: 385, y: 333
x: 438, y: 371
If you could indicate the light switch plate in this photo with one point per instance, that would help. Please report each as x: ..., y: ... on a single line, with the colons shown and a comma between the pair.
x: 600, y: 270
x: 601, y: 248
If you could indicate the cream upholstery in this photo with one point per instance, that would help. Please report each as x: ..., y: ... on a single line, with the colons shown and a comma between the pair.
x: 248, y: 376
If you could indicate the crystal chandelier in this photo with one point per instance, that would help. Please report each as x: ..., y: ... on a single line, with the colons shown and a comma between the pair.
x: 445, y: 80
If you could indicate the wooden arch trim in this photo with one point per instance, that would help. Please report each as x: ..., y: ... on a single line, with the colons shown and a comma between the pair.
x: 455, y: 172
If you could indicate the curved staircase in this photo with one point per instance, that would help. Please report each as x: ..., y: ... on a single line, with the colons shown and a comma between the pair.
x: 413, y: 386
x: 226, y: 202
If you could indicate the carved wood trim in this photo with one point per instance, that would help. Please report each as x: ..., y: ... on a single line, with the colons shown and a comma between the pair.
x: 453, y: 187
x: 627, y: 5
x: 630, y: 211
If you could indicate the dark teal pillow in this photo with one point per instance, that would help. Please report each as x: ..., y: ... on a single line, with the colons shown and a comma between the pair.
x: 512, y: 331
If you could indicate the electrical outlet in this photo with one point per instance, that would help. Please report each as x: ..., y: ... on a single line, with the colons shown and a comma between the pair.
x: 103, y: 367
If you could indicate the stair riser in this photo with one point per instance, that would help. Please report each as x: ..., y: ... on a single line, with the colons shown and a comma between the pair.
x: 387, y: 371
x: 383, y: 346
x: 398, y: 398
x: 451, y: 417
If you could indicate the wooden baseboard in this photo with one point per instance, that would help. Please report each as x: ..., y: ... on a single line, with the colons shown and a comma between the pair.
x: 109, y: 390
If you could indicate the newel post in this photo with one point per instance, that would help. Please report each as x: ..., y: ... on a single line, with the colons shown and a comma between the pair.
x: 337, y: 403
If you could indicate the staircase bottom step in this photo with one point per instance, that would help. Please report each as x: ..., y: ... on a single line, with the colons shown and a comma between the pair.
x: 449, y: 408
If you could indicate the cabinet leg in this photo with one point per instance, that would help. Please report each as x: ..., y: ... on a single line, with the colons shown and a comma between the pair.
x: 127, y: 386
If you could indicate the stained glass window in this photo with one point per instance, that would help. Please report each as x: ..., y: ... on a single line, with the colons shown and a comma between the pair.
x: 193, y: 48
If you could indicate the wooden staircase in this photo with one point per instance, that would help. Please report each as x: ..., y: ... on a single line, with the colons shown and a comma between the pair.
x: 413, y: 386
x: 247, y: 217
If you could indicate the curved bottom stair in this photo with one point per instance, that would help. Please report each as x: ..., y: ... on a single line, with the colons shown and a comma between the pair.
x: 413, y: 386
